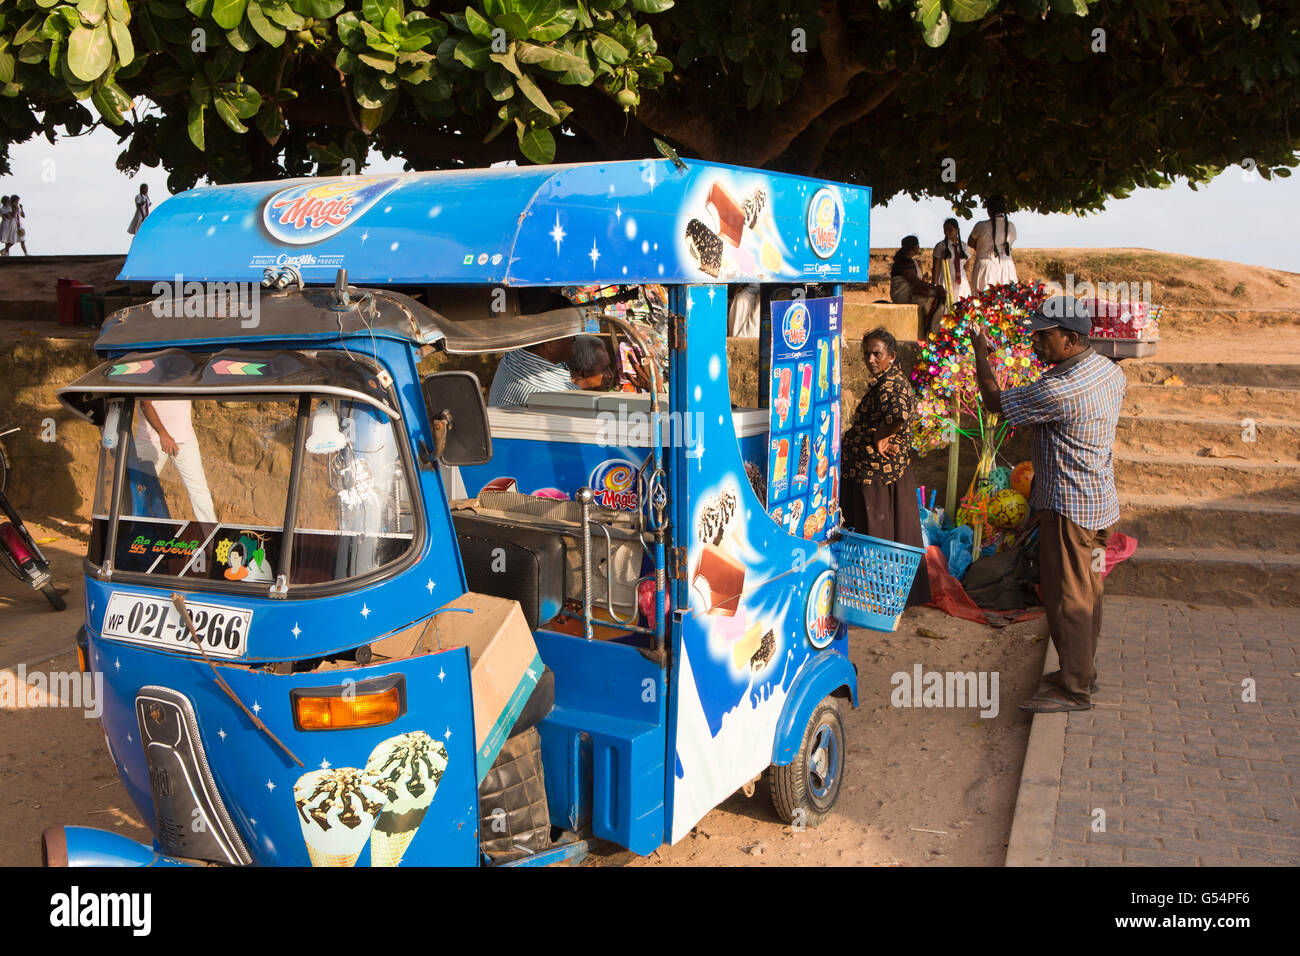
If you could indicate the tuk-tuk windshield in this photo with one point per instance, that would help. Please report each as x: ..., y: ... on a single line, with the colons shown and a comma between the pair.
x: 207, y: 484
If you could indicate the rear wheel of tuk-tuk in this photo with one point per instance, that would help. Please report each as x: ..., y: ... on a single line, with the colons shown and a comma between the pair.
x: 805, y: 790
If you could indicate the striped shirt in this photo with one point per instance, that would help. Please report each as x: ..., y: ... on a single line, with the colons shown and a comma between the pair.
x: 521, y: 373
x: 1075, y: 405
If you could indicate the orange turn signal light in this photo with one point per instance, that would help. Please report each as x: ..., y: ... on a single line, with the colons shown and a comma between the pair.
x: 81, y: 660
x: 342, y: 708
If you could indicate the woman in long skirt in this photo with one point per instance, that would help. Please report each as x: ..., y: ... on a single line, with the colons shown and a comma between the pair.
x: 878, y: 493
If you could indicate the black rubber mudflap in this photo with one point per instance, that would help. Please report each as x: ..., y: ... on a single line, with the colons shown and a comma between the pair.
x: 514, y: 820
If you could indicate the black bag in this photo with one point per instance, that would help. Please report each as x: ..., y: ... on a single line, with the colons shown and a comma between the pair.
x: 1005, y: 581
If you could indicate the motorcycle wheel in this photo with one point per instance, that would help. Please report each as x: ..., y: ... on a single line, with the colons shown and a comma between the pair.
x: 55, y: 599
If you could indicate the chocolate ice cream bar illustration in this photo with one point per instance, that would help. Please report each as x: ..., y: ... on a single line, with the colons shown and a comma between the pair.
x: 778, y: 514
x: 337, y: 810
x: 835, y: 356
x: 801, y: 473
x: 753, y: 206
x: 823, y: 353
x: 731, y: 217
x: 704, y: 246
x: 823, y: 463
x: 796, y: 512
x: 719, y: 580
x: 766, y: 648
x: 782, y: 396
x: 745, y: 648
x: 835, y: 486
x: 805, y: 390
x: 411, y: 766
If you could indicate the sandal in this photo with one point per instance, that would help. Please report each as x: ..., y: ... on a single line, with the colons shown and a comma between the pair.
x: 1053, y: 704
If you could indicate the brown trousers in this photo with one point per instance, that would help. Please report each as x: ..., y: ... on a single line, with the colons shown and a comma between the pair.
x: 1070, y: 559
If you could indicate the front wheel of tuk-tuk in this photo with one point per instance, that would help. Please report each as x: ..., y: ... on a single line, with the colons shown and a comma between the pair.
x: 804, y: 791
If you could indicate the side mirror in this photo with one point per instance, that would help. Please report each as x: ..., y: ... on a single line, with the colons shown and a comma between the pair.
x: 454, y: 402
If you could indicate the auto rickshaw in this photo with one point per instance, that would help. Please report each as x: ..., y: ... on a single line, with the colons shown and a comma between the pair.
x: 286, y: 619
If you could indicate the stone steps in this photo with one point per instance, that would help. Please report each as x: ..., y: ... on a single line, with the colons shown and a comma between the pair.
x: 1241, y: 578
x: 1154, y: 372
x: 1212, y: 438
x: 1172, y: 521
x: 1194, y: 477
x: 1223, y: 401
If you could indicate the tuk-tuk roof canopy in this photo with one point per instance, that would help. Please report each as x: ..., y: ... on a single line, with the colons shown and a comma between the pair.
x: 632, y: 222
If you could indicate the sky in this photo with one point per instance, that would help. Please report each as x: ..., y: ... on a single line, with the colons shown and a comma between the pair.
x: 78, y: 202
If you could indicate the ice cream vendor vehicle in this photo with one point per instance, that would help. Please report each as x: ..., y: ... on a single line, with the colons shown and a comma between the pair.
x: 332, y: 595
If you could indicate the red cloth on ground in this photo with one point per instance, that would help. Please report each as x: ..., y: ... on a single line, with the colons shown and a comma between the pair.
x: 949, y: 596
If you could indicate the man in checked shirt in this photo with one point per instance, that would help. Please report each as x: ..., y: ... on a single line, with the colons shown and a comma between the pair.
x: 1074, y: 408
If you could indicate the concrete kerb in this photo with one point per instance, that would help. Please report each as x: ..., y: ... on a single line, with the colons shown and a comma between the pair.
x: 1033, y: 824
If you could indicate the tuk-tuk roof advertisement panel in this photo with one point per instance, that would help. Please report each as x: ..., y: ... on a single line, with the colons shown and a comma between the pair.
x: 623, y: 222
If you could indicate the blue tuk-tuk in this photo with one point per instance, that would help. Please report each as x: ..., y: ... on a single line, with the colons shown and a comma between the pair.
x: 288, y: 515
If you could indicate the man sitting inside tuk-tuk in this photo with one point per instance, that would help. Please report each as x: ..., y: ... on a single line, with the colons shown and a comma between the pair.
x: 538, y: 368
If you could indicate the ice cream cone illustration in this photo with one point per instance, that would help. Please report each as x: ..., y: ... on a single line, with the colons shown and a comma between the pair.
x: 805, y: 390
x: 410, y: 767
x: 337, y: 810
x: 782, y: 396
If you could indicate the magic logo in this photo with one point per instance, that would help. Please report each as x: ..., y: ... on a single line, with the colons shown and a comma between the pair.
x: 312, y: 211
x: 76, y: 909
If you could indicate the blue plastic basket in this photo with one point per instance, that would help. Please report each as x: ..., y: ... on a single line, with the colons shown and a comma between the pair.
x: 872, y: 579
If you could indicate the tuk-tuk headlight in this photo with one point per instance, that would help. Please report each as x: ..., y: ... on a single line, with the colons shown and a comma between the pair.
x: 367, y: 703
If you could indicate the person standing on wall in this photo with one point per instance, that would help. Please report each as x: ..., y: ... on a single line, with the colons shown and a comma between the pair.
x: 992, y: 240
x: 142, y: 206
x: 951, y: 262
x: 1074, y: 408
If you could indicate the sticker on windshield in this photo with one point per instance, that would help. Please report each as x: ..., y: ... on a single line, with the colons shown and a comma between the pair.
x: 244, y: 557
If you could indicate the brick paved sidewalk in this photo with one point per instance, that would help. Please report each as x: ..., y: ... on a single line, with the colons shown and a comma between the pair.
x: 1185, y: 771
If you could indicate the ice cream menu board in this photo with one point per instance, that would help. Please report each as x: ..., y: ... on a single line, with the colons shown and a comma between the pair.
x: 803, y: 482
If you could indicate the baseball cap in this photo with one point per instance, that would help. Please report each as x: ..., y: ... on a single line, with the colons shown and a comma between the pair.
x: 1061, y: 311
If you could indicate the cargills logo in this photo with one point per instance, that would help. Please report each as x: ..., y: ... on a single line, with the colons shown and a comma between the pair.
x: 313, y: 211
x: 614, y: 484
x: 796, y: 326
x: 825, y: 222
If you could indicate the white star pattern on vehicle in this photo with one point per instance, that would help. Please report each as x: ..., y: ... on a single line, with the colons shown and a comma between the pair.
x: 365, y: 611
x: 257, y: 708
x: 129, y: 740
x: 270, y: 785
x: 324, y: 764
x: 296, y: 630
x: 618, y: 213
x: 221, y: 732
x: 365, y: 235
x: 712, y: 292
x: 118, y: 663
x: 594, y: 255
x: 429, y: 587
x: 558, y: 234
x: 442, y: 674
x: 447, y: 734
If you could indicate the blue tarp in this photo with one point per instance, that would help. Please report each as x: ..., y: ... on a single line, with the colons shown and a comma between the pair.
x: 622, y: 222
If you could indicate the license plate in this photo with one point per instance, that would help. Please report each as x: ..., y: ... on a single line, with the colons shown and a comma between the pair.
x: 153, y: 621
